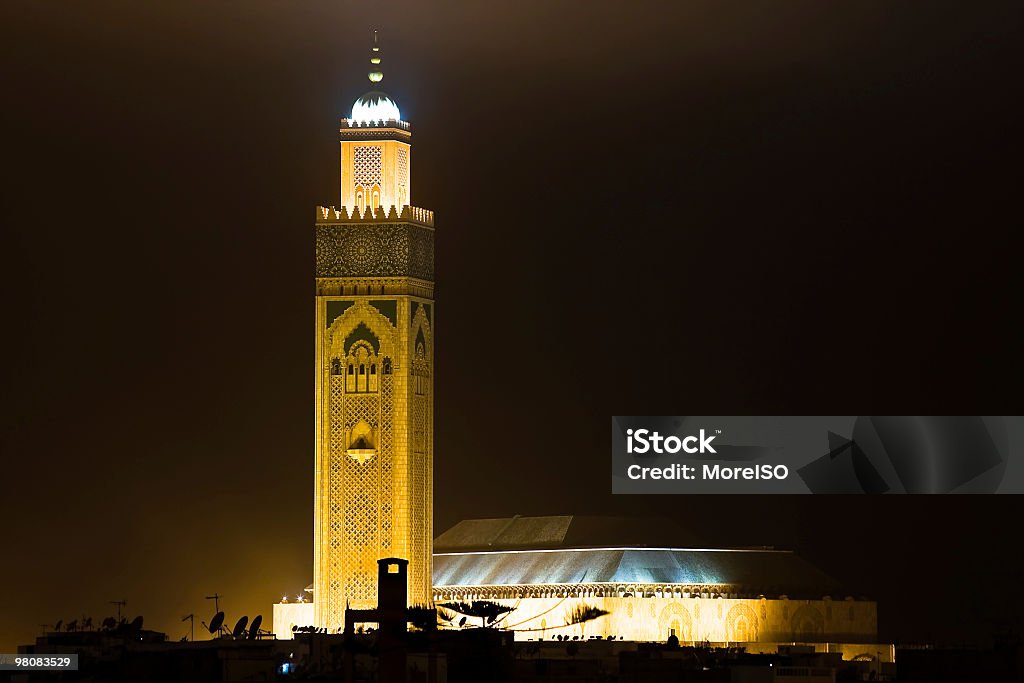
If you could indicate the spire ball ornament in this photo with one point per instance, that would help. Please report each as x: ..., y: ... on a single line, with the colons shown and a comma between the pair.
x: 375, y: 106
x: 376, y: 75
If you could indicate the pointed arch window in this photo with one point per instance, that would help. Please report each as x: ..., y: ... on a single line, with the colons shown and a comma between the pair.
x: 419, y: 369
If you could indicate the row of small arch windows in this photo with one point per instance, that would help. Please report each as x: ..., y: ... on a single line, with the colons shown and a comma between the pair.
x: 355, y: 289
x: 361, y: 199
x: 374, y: 196
x: 336, y: 367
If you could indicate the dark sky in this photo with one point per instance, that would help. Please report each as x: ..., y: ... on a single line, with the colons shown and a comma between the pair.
x: 695, y: 207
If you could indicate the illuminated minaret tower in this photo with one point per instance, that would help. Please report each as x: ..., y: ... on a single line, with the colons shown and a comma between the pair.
x: 374, y: 367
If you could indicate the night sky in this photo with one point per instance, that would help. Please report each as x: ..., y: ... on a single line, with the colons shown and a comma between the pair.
x: 695, y: 207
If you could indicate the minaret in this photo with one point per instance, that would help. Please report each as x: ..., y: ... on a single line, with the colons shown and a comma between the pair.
x: 374, y: 367
x: 374, y: 176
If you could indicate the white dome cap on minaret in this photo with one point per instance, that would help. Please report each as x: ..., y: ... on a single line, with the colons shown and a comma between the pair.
x: 375, y: 105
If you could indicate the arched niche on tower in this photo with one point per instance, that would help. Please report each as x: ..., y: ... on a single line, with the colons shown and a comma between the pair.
x: 362, y: 345
x: 360, y: 199
x: 421, y: 351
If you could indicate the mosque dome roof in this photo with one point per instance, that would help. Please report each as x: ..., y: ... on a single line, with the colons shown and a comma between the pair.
x: 375, y: 106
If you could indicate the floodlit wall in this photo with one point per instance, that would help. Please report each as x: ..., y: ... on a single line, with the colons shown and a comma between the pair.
x: 697, y: 620
x: 374, y: 406
x: 289, y: 614
x: 692, y: 620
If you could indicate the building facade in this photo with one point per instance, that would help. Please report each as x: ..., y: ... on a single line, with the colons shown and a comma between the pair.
x: 548, y: 568
x: 374, y: 368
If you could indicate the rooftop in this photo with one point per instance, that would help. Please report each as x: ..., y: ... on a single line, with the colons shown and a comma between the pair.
x: 569, y: 549
x: 563, y: 531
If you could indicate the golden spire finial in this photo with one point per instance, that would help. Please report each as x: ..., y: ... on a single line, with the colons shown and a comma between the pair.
x: 376, y: 74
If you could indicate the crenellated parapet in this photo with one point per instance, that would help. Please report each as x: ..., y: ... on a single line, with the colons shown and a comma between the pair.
x: 408, y: 214
x: 392, y: 123
x: 373, y: 131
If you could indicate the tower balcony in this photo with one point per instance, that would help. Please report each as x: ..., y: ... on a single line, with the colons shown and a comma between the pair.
x: 369, y: 131
x: 390, y: 123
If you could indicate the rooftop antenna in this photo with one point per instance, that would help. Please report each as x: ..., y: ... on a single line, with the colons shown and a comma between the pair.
x: 191, y: 626
x: 120, y: 604
x: 216, y: 601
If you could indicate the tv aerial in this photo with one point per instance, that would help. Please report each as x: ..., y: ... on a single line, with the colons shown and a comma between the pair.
x: 191, y: 626
x: 120, y: 604
x: 216, y: 601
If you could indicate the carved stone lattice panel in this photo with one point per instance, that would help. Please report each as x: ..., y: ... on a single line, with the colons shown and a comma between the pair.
x: 386, y: 459
x: 361, y: 489
x: 333, y: 603
x: 366, y: 165
x: 419, y: 495
x: 374, y: 250
x: 403, y: 172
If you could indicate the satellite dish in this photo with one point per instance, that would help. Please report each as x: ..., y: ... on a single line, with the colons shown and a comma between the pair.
x: 109, y: 623
x: 57, y: 626
x: 216, y: 622
x: 254, y: 627
x: 136, y: 624
x: 239, y: 628
x: 295, y: 628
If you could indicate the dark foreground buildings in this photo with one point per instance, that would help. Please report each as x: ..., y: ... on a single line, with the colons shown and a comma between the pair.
x: 378, y: 645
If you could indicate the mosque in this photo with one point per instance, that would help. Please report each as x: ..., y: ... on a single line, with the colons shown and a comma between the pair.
x: 374, y: 333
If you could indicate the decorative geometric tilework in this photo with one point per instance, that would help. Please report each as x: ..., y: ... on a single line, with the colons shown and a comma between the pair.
x: 374, y: 250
